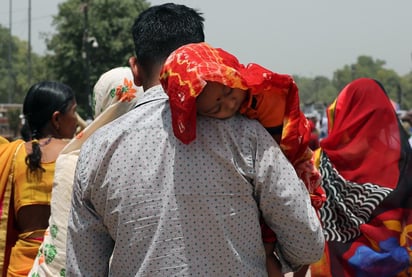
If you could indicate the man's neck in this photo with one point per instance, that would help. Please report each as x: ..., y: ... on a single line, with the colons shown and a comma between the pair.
x: 151, y: 79
x: 150, y: 84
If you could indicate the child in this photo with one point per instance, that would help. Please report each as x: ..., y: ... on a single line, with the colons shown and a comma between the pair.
x: 201, y: 79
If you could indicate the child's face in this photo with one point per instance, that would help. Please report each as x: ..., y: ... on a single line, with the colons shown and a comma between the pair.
x: 219, y: 101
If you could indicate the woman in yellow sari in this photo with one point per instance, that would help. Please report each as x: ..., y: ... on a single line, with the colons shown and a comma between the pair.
x: 27, y: 170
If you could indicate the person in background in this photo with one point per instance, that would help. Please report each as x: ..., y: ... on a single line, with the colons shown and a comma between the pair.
x: 406, y: 120
x: 145, y: 204
x: 114, y: 94
x: 366, y: 166
x: 314, y: 136
x: 27, y: 170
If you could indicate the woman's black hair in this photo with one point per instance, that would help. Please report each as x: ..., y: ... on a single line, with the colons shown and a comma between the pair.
x: 42, y: 100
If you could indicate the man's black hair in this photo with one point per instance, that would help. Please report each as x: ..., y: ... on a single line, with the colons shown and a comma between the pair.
x: 161, y: 29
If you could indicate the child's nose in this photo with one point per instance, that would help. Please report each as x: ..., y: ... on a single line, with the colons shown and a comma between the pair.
x: 231, y: 103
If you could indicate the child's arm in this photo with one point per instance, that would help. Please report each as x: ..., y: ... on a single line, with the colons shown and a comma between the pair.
x: 272, y: 263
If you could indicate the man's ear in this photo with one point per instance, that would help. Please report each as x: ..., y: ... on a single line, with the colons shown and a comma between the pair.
x: 135, y: 71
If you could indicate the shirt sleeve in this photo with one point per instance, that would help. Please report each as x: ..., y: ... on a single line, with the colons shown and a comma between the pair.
x: 87, y: 237
x: 286, y: 208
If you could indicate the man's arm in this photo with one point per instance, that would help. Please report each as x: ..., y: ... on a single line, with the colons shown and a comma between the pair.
x: 89, y: 245
x: 286, y: 208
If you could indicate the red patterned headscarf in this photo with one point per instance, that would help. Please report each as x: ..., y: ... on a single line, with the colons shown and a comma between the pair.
x: 185, y: 74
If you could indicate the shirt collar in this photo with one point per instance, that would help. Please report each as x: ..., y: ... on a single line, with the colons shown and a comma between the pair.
x: 153, y: 93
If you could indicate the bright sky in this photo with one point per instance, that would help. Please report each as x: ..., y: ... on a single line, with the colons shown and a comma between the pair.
x: 307, y: 38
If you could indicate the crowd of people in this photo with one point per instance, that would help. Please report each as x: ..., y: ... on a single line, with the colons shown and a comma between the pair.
x: 198, y: 165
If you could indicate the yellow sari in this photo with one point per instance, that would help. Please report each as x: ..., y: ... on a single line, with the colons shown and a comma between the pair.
x: 7, y: 234
x: 20, y: 249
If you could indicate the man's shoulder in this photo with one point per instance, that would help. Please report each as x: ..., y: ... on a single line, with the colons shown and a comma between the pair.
x: 128, y: 125
x: 233, y: 122
x: 239, y: 126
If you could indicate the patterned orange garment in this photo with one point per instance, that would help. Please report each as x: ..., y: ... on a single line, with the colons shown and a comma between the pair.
x: 273, y: 100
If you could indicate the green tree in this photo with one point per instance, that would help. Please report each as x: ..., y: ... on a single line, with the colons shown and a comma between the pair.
x: 91, y: 37
x: 368, y: 67
x: 14, y: 70
x: 14, y: 121
x: 364, y: 67
x: 406, y: 91
x: 318, y: 90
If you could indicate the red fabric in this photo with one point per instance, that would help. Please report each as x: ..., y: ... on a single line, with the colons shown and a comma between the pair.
x: 268, y: 236
x: 314, y: 141
x: 278, y: 103
x: 364, y: 140
x: 366, y: 143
